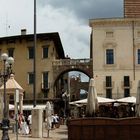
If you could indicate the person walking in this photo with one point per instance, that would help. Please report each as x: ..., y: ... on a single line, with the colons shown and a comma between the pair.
x: 56, y: 118
x: 24, y: 127
x: 53, y: 121
x: 30, y: 123
x: 19, y: 121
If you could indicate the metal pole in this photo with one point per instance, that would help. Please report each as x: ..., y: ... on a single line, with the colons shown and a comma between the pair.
x: 64, y: 107
x: 16, y: 121
x: 5, y: 121
x: 34, y: 65
x: 65, y: 110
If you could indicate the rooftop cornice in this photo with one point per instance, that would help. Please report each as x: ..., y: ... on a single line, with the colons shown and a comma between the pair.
x: 113, y: 21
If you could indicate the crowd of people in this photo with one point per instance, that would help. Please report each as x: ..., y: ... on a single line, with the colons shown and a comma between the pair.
x: 112, y: 111
x: 55, y: 121
x: 107, y: 110
x: 23, y: 123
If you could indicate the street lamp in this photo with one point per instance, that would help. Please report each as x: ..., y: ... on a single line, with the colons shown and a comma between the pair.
x: 65, y: 97
x: 7, y: 63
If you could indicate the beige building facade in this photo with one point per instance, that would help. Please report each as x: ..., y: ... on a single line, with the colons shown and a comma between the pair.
x: 21, y: 48
x: 116, y: 56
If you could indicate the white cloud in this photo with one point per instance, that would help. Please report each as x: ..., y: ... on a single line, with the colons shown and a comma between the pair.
x: 73, y: 34
x: 68, y: 17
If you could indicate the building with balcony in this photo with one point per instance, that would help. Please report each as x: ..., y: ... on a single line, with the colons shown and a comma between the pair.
x: 21, y: 47
x: 116, y: 56
x: 115, y: 45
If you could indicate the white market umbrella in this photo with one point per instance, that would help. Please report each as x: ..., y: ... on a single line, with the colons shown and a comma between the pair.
x: 101, y: 100
x: 92, y: 101
x: 137, y: 107
x: 131, y: 99
x: 48, y: 116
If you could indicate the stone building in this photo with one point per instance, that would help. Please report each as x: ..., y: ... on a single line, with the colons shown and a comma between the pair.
x: 116, y: 56
x: 74, y: 87
x: 116, y: 52
x: 21, y: 47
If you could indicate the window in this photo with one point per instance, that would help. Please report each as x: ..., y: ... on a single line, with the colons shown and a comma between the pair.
x: 11, y: 52
x: 109, y: 56
x: 30, y: 78
x: 108, y: 86
x: 45, y: 80
x: 109, y: 34
x: 31, y: 52
x: 108, y: 81
x: 45, y: 51
x: 138, y: 33
x: 108, y: 93
x: 126, y: 86
x: 126, y: 81
x: 126, y: 92
x: 138, y: 56
x: 73, y: 97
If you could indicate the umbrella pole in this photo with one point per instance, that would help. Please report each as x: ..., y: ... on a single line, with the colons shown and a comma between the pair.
x: 48, y: 134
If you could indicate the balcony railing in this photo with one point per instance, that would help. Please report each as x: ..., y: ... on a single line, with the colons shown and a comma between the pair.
x: 45, y: 86
x: 109, y: 86
x: 71, y: 62
x: 126, y: 86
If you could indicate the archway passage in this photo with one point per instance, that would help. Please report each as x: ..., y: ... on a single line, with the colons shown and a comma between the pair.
x: 64, y: 82
x: 62, y: 67
x: 66, y: 65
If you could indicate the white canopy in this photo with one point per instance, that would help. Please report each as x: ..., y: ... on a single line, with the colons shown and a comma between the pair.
x: 131, y: 99
x: 100, y: 100
x: 11, y: 107
x: 28, y: 107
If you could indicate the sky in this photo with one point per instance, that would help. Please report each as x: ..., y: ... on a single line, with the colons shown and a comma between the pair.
x: 70, y: 18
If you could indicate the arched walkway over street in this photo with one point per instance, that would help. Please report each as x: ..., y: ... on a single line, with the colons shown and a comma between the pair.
x: 63, y: 66
x: 66, y: 65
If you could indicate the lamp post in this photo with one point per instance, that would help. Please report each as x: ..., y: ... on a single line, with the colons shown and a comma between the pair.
x: 34, y: 60
x: 7, y: 62
x: 65, y: 97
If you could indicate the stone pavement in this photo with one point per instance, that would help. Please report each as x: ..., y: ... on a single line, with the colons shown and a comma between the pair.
x: 55, y: 134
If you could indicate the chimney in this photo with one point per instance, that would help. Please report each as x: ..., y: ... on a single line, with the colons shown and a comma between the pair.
x: 131, y: 8
x: 23, y: 31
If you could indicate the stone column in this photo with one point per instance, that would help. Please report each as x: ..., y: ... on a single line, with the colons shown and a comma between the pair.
x: 37, y: 121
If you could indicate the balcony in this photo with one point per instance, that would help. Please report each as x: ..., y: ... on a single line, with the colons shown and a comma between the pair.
x: 45, y: 87
x: 124, y: 86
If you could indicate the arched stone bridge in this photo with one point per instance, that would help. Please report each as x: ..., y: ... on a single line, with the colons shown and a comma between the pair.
x: 62, y: 66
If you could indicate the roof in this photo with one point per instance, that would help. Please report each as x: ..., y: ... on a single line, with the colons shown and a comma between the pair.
x: 12, y: 85
x: 46, y: 36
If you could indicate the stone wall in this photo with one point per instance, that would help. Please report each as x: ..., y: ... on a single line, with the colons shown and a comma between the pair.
x: 104, y: 129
